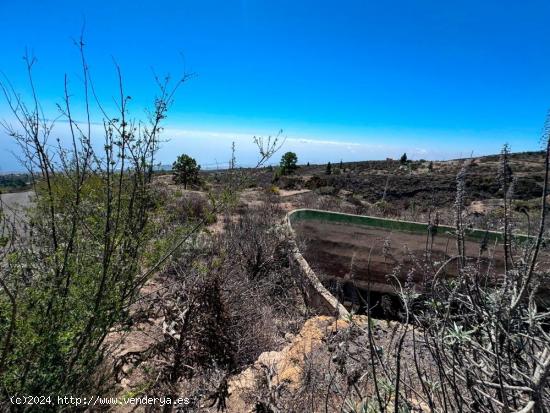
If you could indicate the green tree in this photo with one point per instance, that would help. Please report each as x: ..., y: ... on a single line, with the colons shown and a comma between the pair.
x: 329, y: 169
x: 288, y: 163
x: 403, y: 160
x: 186, y: 171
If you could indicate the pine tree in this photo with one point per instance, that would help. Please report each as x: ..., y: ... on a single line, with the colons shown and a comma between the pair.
x: 288, y: 163
x: 186, y: 171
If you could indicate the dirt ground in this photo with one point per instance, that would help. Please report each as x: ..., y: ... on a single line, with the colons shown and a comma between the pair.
x: 16, y: 200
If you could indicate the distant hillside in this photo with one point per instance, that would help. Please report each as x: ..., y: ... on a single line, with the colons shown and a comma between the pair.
x: 14, y: 182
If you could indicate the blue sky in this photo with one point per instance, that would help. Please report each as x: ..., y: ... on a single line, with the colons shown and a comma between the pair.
x: 344, y: 79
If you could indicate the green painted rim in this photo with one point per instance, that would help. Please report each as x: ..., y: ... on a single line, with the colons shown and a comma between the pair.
x: 394, y: 224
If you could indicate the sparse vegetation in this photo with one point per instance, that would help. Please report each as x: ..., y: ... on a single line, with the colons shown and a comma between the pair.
x: 14, y: 183
x: 121, y: 280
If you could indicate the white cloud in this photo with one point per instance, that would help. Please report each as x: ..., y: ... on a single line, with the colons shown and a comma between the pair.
x: 211, y: 147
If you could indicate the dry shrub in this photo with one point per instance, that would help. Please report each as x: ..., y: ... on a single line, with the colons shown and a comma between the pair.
x: 226, y: 299
x: 190, y: 206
